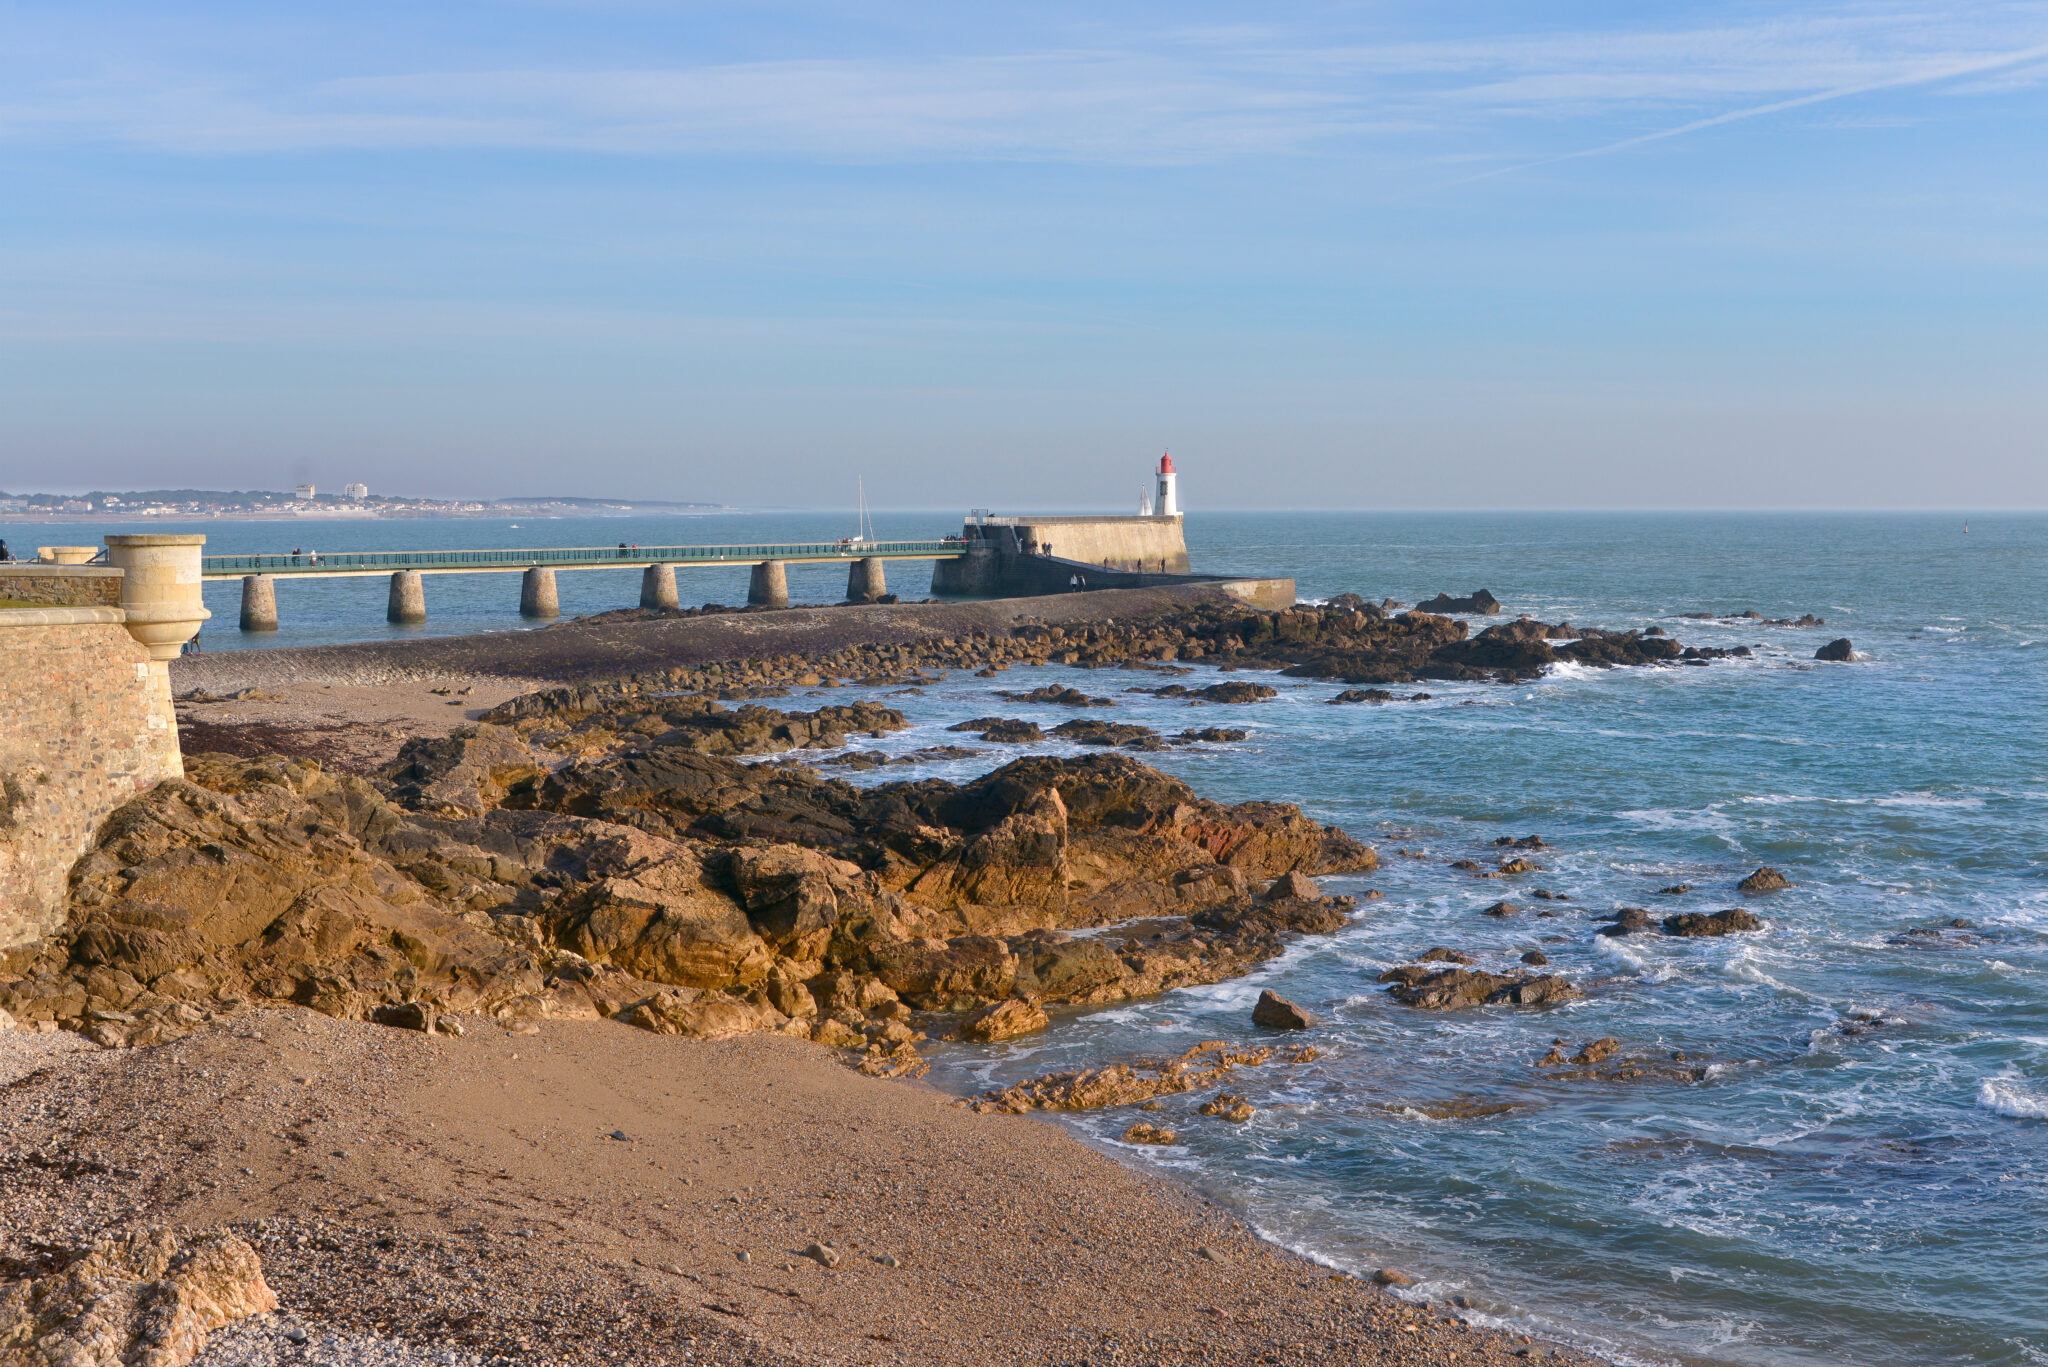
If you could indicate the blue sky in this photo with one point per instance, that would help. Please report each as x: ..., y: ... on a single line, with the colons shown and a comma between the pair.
x: 1334, y: 255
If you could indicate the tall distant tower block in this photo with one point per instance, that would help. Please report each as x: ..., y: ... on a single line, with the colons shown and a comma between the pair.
x: 1168, y: 501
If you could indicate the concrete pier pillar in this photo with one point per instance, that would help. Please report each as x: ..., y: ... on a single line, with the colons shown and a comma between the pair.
x: 259, y: 602
x: 658, y: 587
x: 864, y: 582
x: 769, y: 585
x: 537, y: 594
x: 408, y: 599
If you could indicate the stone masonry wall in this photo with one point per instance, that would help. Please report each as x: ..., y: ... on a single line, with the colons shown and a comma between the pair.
x: 78, y: 737
x: 66, y: 586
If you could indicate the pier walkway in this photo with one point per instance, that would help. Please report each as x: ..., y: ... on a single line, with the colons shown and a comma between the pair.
x: 769, y: 584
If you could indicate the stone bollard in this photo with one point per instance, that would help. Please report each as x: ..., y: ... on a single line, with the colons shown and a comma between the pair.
x: 160, y: 596
x: 864, y: 582
x: 769, y: 585
x: 259, y: 602
x: 408, y: 605
x: 658, y: 587
x: 537, y: 594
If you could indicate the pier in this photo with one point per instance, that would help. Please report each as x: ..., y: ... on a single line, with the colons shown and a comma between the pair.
x: 768, y: 586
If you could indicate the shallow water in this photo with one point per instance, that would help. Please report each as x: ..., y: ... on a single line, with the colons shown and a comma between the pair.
x: 1863, y: 1174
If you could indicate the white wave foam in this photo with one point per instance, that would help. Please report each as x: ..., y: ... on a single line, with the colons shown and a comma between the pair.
x: 2004, y: 1096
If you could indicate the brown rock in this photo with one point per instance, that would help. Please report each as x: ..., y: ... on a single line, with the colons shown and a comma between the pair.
x: 1387, y: 1276
x: 1145, y: 1132
x: 1693, y: 923
x: 145, y: 1298
x: 1293, y: 885
x: 1275, y: 1012
x: 1228, y: 1106
x: 1004, y: 1020
x: 1762, y: 881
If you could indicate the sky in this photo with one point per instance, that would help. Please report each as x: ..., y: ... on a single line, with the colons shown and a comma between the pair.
x: 1341, y: 255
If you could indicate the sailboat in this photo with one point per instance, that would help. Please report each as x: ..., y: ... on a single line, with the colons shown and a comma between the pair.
x: 864, y: 526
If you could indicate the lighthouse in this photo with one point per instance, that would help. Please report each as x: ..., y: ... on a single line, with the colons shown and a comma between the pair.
x: 1168, y: 501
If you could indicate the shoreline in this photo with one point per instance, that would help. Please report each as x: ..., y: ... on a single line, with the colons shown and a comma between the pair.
x: 385, y: 1175
x: 472, y: 1194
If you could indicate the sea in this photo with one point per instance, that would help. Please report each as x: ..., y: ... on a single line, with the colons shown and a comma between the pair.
x: 1856, y: 1168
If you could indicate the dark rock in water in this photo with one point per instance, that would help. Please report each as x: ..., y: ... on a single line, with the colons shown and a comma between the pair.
x: 1527, y: 842
x: 1387, y: 1276
x: 1275, y: 1012
x: 1002, y: 730
x: 1063, y: 697
x: 1468, y: 865
x: 1441, y: 955
x: 1536, y: 958
x: 1454, y: 989
x: 1363, y: 695
x: 1480, y: 602
x: 1599, y: 1051
x: 1695, y: 924
x: 1837, y: 650
x: 1091, y: 732
x: 1963, y: 923
x: 1232, y: 691
x: 1675, y: 890
x: 1627, y: 921
x: 1502, y: 909
x: 1762, y: 881
x: 1213, y: 735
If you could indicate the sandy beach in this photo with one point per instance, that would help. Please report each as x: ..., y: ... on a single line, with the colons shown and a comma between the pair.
x: 476, y: 1194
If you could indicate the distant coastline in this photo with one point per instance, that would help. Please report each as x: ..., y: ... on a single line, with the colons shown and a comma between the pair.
x: 307, y: 504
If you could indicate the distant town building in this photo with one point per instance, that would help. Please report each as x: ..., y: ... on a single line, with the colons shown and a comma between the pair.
x: 303, y: 491
x: 358, y: 490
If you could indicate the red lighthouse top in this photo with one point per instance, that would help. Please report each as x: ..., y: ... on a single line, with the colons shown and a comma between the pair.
x: 1166, y: 463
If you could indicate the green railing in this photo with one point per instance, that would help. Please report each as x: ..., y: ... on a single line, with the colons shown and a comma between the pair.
x: 572, y: 557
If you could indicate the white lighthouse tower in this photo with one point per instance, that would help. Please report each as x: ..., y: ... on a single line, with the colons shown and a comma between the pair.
x: 1169, y: 501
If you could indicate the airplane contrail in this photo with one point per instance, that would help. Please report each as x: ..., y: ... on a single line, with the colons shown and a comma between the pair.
x: 1945, y: 72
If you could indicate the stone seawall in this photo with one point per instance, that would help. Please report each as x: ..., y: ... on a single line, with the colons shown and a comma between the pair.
x: 82, y: 730
x: 60, y: 586
x: 995, y: 550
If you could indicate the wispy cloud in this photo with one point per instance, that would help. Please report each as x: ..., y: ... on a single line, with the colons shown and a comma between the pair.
x: 1180, y: 95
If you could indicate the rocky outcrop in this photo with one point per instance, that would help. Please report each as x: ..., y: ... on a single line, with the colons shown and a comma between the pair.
x: 1695, y: 924
x: 1125, y: 1084
x: 677, y: 890
x: 145, y: 1298
x: 1479, y: 601
x: 1762, y: 881
x: 1836, y: 651
x: 1275, y: 1012
x: 1456, y: 989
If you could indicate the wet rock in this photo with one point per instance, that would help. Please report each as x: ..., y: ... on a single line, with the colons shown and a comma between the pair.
x: 1675, y: 890
x: 1213, y: 735
x: 1598, y: 1051
x: 1627, y: 921
x: 1762, y: 881
x: 1275, y: 1012
x: 1693, y: 923
x: 1092, y: 732
x: 1363, y: 695
x: 1536, y: 958
x: 1501, y: 909
x: 1527, y: 842
x: 1144, y: 1132
x: 1229, y: 1106
x: 1441, y: 955
x: 1836, y: 651
x: 1479, y: 602
x: 1003, y: 730
x: 1058, y: 696
x: 1125, y: 1084
x: 1004, y: 1020
x: 1456, y: 989
x: 1387, y: 1276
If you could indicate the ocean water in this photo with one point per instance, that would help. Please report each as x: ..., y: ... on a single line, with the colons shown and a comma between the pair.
x: 1861, y: 1177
